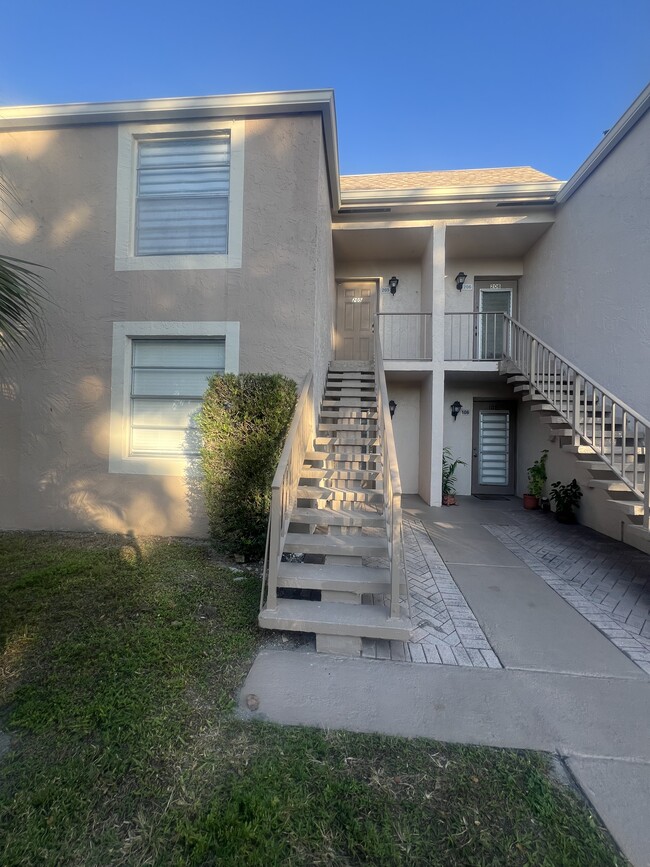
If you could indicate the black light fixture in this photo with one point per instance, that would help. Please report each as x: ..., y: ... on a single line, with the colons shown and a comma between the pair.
x: 455, y: 409
x: 460, y: 279
x: 392, y: 406
x: 392, y: 285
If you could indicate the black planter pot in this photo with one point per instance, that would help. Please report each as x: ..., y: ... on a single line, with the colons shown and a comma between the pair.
x: 565, y: 517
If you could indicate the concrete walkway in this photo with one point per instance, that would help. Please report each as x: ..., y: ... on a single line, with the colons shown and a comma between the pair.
x: 564, y: 686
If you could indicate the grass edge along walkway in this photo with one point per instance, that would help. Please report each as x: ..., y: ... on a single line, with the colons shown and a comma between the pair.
x: 119, y: 659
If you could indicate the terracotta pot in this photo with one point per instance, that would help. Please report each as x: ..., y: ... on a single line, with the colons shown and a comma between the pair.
x: 448, y: 500
x: 531, y: 502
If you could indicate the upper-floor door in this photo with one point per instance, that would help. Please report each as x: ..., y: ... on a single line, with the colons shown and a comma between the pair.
x: 356, y: 301
x: 492, y: 298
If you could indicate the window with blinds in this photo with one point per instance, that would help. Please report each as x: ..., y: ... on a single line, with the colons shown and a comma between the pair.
x: 182, y: 195
x: 168, y: 380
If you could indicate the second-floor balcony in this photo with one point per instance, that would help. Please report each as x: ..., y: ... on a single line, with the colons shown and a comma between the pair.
x: 468, y: 337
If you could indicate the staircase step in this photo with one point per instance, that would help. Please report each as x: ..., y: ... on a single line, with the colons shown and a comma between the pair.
x: 328, y: 517
x: 352, y: 495
x: 517, y: 378
x: 341, y: 475
x: 351, y: 579
x: 352, y: 441
x: 614, y: 485
x: 343, y: 457
x: 602, y: 466
x: 335, y: 618
x: 542, y: 407
x: 370, y: 402
x: 630, y: 507
x: 348, y: 428
x: 351, y: 366
x: 322, y: 543
x: 534, y: 397
x: 347, y: 412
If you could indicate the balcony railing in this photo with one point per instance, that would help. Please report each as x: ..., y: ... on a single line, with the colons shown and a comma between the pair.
x: 474, y: 336
x: 405, y: 336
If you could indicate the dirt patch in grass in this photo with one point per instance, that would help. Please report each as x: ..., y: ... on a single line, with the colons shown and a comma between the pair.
x: 119, y: 662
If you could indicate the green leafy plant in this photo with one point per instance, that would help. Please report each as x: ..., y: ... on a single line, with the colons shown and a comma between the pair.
x: 244, y: 422
x: 449, y: 467
x: 537, y: 475
x: 566, y: 498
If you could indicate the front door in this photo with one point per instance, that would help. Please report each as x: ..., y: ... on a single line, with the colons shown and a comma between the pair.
x: 493, y: 298
x: 356, y: 303
x: 493, y: 447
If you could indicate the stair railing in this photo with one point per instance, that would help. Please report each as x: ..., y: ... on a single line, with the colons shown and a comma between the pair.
x: 391, y: 484
x: 613, y: 429
x: 284, y: 488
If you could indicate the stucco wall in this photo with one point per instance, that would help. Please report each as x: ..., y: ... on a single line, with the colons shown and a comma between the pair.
x: 54, y: 417
x: 585, y: 286
x: 324, y: 282
x: 406, y: 428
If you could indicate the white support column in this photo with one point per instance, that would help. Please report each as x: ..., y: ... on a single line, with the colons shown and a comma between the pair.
x: 438, y: 358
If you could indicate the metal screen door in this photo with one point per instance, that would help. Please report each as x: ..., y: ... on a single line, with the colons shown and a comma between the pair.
x: 493, y: 451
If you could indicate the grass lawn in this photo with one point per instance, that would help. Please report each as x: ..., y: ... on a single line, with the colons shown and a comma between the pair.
x: 119, y: 661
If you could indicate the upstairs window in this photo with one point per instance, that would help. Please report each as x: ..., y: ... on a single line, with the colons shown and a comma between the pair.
x: 179, y: 195
x: 182, y: 196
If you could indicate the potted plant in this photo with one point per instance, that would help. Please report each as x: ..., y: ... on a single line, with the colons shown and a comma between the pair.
x: 536, y: 479
x: 449, y: 467
x: 566, y: 499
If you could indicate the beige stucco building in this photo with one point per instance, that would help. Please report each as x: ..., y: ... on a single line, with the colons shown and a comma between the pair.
x: 185, y: 236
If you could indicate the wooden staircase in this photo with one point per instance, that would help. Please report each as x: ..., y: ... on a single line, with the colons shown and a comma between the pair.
x: 606, y: 436
x: 336, y: 551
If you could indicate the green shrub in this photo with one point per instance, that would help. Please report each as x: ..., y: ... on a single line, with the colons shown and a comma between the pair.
x: 244, y: 422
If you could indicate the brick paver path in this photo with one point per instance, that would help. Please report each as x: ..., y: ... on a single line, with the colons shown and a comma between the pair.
x: 606, y: 581
x: 445, y: 630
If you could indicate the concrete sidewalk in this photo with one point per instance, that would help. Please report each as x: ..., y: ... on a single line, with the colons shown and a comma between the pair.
x: 564, y: 688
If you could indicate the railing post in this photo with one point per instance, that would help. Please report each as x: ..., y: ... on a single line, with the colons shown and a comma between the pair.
x: 274, y: 550
x: 576, y: 410
x: 532, y: 360
x: 646, y: 501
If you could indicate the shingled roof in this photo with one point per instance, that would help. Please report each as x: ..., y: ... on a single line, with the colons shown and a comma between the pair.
x: 459, y: 178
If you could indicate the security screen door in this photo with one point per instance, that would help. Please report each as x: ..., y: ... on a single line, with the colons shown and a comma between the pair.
x: 356, y: 302
x: 493, y: 298
x: 493, y: 447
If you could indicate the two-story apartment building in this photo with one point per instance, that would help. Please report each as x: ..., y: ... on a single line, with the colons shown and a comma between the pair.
x: 187, y: 236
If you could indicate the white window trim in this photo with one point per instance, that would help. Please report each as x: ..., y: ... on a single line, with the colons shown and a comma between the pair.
x: 127, y: 151
x: 119, y: 459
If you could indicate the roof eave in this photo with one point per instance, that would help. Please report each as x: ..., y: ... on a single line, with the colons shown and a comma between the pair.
x: 631, y: 117
x: 453, y: 195
x: 181, y: 108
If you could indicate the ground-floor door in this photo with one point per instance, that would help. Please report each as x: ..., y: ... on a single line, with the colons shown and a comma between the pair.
x: 356, y: 302
x: 493, y: 447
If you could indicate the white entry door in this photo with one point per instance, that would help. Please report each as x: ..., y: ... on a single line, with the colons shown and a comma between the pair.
x: 493, y: 299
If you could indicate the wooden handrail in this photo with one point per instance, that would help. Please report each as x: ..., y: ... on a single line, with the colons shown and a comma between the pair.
x: 284, y: 488
x: 392, y: 484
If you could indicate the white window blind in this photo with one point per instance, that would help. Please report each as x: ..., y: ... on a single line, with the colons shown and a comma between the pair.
x: 494, y: 447
x: 168, y: 380
x: 182, y: 196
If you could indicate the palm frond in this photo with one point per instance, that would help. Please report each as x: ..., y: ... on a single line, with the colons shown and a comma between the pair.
x: 22, y: 295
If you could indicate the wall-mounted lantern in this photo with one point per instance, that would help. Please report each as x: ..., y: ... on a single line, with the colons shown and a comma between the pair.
x: 455, y: 409
x: 460, y: 280
x: 392, y: 285
x: 392, y: 406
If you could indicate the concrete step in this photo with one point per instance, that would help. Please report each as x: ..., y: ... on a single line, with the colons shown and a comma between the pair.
x: 348, y: 412
x: 350, y: 579
x: 350, y: 495
x: 324, y: 427
x: 331, y: 458
x: 352, y: 366
x: 542, y: 407
x: 602, y: 466
x: 613, y: 485
x: 348, y: 546
x: 588, y: 450
x: 350, y: 441
x: 362, y: 375
x: 517, y: 378
x: 629, y: 507
x: 354, y: 402
x: 328, y: 517
x: 308, y: 472
x: 336, y: 618
x: 534, y: 397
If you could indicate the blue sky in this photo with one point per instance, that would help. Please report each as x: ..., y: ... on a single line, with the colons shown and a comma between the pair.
x: 419, y: 85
